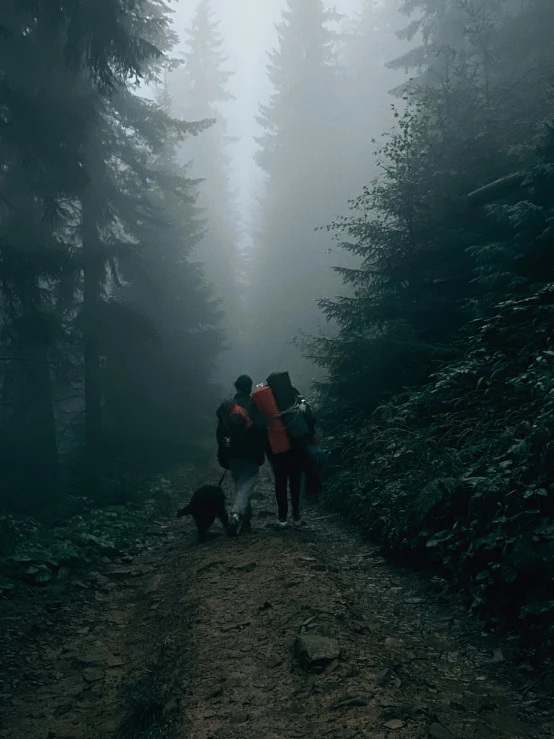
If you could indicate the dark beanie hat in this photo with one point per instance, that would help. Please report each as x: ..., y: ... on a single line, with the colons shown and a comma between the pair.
x: 244, y: 384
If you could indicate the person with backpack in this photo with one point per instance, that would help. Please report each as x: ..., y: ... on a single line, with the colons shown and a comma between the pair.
x: 241, y: 438
x: 299, y: 423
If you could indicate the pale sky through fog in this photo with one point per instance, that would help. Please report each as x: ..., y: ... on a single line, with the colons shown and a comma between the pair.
x: 248, y: 27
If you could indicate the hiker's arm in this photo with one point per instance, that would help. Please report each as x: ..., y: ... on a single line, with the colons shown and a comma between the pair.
x: 220, y: 434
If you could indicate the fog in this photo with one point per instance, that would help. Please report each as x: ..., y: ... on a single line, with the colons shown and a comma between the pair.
x: 243, y: 188
x: 249, y: 36
x: 363, y: 196
x: 163, y: 176
x: 248, y: 29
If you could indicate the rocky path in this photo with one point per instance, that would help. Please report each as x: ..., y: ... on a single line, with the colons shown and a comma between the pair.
x: 296, y: 633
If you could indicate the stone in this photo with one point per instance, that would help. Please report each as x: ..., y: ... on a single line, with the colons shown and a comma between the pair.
x: 92, y: 676
x: 153, y: 584
x: 240, y: 718
x: 91, y: 658
x: 237, y: 627
x: 109, y: 727
x: 395, y: 724
x: 349, y: 701
x: 204, y: 567
x: 121, y: 573
x: 314, y: 652
x: 246, y: 567
x: 114, y: 617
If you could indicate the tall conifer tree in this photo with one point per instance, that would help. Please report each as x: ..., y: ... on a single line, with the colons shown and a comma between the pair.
x: 84, y: 200
x: 368, y: 44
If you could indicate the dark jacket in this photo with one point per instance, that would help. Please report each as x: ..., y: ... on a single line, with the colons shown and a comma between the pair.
x: 251, y: 443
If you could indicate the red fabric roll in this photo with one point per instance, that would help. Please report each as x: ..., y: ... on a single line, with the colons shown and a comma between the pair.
x: 265, y: 402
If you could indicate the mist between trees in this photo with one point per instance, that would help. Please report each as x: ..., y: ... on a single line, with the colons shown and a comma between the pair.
x: 400, y: 260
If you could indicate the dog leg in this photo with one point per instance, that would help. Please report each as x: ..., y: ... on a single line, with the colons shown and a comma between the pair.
x: 202, y: 534
x: 224, y: 518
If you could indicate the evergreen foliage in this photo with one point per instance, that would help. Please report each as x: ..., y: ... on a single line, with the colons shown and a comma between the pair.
x: 439, y: 381
x: 83, y: 202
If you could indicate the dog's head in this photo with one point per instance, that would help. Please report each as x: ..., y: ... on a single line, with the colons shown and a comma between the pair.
x: 186, y: 511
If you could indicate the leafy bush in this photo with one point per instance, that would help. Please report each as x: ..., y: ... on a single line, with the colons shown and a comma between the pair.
x: 459, y: 473
x: 34, y: 554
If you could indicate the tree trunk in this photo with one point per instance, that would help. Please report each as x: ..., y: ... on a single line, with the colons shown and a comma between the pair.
x: 29, y: 456
x: 92, y: 285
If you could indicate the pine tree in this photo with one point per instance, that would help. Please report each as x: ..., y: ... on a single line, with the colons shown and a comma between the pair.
x: 439, y: 28
x: 104, y: 154
x: 451, y: 323
x: 159, y: 367
x: 200, y: 90
x: 368, y: 44
x: 78, y: 155
x: 300, y: 154
x: 413, y: 234
x: 44, y: 122
x: 448, y: 31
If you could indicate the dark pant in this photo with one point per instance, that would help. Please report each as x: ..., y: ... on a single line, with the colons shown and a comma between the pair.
x: 287, y: 468
x: 315, y: 462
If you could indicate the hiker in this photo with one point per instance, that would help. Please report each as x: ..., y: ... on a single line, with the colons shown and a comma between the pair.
x: 241, y: 434
x: 288, y: 466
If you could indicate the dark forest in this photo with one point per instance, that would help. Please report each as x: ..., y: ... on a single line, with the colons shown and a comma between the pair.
x: 396, y: 259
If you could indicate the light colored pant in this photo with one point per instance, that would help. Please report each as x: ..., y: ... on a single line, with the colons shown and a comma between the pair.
x: 245, y: 473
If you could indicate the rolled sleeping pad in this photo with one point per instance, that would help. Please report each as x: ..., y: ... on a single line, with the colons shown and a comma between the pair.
x: 266, y: 404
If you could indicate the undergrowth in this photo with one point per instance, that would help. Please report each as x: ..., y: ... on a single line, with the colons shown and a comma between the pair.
x: 460, y: 475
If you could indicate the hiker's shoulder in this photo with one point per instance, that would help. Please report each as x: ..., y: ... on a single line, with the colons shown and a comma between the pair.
x: 245, y: 401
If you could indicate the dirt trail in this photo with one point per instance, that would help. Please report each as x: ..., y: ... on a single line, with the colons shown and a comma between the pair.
x: 197, y: 643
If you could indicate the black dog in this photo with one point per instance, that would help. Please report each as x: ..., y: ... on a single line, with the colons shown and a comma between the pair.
x: 207, y: 504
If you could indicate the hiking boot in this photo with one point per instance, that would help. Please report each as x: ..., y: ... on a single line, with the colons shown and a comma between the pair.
x: 232, y: 529
x: 281, y: 524
x: 299, y: 523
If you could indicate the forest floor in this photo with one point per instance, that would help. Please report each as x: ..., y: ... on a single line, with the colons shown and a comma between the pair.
x: 194, y: 642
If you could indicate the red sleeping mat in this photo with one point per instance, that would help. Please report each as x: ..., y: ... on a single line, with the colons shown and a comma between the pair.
x: 266, y: 404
